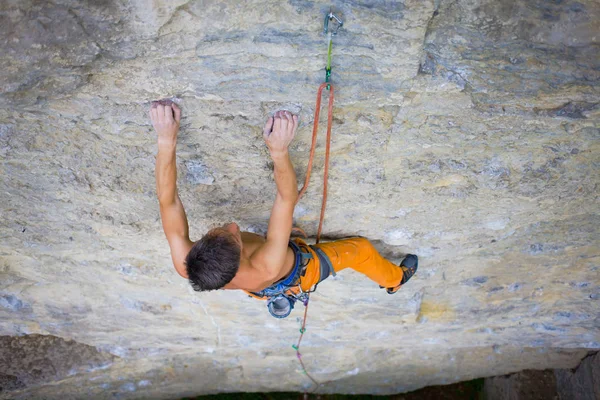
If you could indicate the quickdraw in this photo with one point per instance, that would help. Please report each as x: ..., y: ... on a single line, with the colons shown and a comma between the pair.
x: 282, y: 296
x: 330, y: 34
x: 328, y: 18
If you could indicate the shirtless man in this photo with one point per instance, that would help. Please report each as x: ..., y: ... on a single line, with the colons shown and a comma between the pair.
x: 272, y: 268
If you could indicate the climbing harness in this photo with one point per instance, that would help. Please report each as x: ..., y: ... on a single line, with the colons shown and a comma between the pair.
x: 282, y: 295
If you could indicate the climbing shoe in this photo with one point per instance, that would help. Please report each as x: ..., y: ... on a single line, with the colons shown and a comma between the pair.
x: 409, y: 266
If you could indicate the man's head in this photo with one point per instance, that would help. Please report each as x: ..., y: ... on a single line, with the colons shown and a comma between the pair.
x: 214, y: 260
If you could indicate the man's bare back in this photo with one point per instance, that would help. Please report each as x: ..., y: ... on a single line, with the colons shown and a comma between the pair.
x: 251, y: 244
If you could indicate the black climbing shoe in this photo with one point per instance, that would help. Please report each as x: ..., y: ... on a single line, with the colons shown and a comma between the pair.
x: 409, y: 266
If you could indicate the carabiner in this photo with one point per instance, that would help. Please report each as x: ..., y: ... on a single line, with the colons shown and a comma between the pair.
x: 328, y: 18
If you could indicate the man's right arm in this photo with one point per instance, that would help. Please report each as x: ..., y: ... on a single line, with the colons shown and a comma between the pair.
x: 165, y: 120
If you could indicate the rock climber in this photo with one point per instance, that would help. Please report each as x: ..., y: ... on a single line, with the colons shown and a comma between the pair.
x: 274, y: 267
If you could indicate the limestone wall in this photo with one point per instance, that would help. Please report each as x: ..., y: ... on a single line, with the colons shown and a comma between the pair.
x: 464, y: 131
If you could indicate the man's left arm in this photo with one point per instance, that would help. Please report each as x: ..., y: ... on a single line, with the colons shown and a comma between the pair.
x: 278, y: 133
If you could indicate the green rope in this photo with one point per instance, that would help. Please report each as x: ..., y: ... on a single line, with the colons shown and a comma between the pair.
x: 328, y: 68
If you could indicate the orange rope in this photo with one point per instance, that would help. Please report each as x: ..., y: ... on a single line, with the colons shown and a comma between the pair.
x: 323, y: 203
x: 327, y: 150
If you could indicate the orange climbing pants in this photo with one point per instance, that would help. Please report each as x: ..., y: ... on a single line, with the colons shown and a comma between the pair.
x: 356, y: 253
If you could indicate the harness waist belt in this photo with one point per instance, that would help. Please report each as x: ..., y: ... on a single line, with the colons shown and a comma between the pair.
x: 293, y: 278
x: 325, y: 266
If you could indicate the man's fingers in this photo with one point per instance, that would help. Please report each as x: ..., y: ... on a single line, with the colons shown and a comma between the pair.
x: 284, y: 120
x: 160, y: 112
x: 295, y: 119
x: 277, y: 122
x: 177, y: 112
x: 169, y: 113
x: 290, y: 118
x: 155, y: 111
x: 152, y: 111
x: 268, y: 127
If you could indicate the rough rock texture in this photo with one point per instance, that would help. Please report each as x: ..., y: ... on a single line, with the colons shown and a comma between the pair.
x: 32, y: 359
x: 581, y: 383
x: 524, y: 385
x: 465, y: 131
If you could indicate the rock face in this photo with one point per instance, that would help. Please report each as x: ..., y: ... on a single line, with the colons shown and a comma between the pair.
x: 581, y: 383
x: 529, y: 384
x: 465, y: 131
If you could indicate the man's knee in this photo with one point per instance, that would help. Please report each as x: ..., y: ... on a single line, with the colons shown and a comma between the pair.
x: 364, y: 249
x: 362, y: 242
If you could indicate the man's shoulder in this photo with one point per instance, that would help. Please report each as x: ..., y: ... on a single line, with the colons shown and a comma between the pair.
x: 251, y: 237
x: 271, y: 267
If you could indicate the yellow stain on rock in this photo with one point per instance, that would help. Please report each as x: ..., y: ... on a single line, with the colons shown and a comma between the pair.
x: 438, y: 312
x: 451, y: 180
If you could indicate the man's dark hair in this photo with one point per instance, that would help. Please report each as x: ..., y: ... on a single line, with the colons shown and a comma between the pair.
x: 213, y: 261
